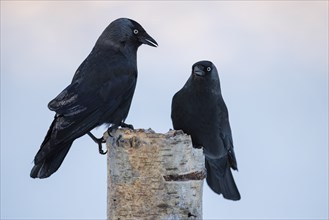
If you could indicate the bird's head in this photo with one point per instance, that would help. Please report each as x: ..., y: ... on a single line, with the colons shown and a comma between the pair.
x: 204, y: 69
x: 124, y: 31
x: 205, y: 77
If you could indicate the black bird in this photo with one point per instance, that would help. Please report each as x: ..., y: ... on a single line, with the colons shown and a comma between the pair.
x: 100, y: 93
x: 199, y: 110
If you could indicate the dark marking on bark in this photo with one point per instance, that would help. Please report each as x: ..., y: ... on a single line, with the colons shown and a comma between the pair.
x: 198, y: 175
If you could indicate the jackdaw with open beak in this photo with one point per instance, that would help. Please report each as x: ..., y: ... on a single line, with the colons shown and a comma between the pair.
x: 199, y: 110
x: 100, y: 93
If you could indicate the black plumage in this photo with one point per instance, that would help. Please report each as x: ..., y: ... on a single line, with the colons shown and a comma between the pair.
x: 199, y: 110
x: 101, y: 92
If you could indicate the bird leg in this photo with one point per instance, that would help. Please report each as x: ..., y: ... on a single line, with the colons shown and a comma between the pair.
x: 112, y: 128
x: 124, y: 125
x: 101, y: 140
x: 98, y: 141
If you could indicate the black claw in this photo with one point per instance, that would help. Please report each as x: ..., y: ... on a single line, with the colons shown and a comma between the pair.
x: 112, y: 128
x: 98, y: 141
x: 124, y: 125
x: 100, y: 149
x: 100, y: 146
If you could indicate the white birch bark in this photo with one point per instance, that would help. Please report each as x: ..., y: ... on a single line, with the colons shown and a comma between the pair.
x: 153, y: 176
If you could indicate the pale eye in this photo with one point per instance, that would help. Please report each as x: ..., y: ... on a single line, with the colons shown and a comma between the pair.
x: 135, y: 31
x: 208, y: 69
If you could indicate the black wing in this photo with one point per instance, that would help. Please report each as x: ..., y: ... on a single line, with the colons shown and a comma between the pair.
x: 99, y: 89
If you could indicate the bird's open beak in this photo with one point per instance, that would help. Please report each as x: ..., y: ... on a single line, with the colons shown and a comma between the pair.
x: 147, y: 39
x: 198, y: 71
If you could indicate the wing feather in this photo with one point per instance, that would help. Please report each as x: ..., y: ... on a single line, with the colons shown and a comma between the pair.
x: 99, y: 88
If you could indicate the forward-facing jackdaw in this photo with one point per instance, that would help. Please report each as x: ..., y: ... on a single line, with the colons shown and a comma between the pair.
x: 199, y: 110
x: 101, y: 92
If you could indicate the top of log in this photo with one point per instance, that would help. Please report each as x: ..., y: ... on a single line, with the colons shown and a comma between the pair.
x: 171, y: 145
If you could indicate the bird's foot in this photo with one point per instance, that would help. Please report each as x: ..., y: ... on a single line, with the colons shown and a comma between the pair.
x: 98, y: 141
x: 124, y: 125
x: 112, y: 128
x: 197, y: 146
x: 100, y: 149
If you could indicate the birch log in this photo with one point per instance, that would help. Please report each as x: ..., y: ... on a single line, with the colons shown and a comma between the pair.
x: 153, y: 176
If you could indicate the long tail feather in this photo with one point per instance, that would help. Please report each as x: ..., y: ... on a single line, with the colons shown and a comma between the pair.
x: 50, y: 155
x: 220, y: 178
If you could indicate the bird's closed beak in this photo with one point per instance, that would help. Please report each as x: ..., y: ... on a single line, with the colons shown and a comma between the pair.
x: 198, y: 71
x: 147, y: 39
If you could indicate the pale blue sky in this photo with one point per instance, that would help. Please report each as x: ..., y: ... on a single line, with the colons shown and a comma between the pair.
x: 272, y: 58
